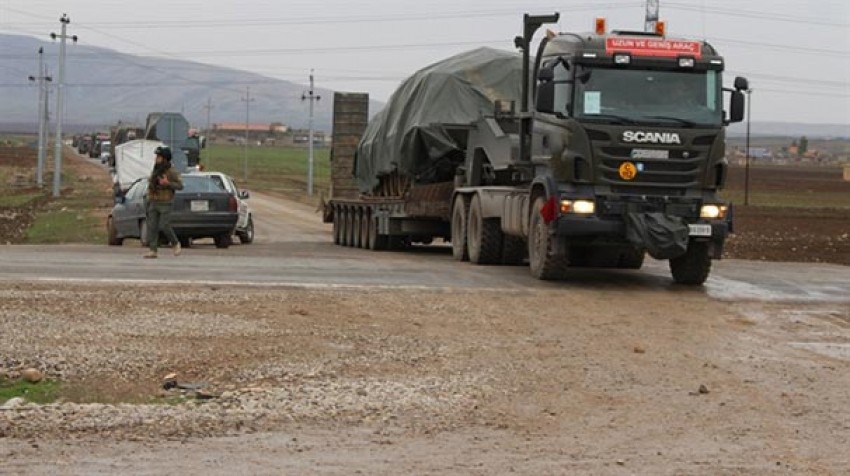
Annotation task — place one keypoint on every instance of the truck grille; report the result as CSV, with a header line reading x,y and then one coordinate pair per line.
x,y
684,168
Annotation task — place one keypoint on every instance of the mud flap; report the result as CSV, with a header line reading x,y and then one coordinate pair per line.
x,y
663,236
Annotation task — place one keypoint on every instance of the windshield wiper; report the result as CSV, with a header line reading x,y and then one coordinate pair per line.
x,y
611,117
677,119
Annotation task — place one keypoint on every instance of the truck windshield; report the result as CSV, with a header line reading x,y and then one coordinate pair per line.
x,y
648,96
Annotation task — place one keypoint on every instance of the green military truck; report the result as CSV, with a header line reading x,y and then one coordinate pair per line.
x,y
602,147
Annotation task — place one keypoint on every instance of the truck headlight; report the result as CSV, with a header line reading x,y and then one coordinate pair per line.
x,y
712,211
583,207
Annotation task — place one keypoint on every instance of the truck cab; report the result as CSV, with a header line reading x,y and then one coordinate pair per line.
x,y
627,151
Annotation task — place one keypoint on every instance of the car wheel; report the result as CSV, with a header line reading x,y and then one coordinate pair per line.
x,y
112,233
247,236
222,241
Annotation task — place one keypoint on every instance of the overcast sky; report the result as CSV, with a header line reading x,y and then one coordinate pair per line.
x,y
796,54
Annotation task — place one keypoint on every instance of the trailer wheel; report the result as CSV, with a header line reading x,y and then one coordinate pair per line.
x,y
692,268
483,235
346,226
365,228
542,260
356,225
377,241
337,225
460,210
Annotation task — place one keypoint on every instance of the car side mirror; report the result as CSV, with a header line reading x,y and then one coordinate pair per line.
x,y
243,194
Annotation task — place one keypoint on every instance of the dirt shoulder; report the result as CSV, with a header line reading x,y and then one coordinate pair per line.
x,y
485,382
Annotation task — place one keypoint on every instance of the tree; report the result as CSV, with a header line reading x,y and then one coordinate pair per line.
x,y
804,145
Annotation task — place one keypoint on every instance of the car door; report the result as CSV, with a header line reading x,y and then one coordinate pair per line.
x,y
242,207
128,214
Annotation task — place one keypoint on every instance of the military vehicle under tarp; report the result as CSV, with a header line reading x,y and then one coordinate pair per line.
x,y
412,134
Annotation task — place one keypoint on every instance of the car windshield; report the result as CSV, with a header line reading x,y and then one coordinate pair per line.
x,y
648,96
201,184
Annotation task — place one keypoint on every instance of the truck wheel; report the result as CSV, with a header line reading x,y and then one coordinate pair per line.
x,y
222,241
365,228
483,235
346,227
692,268
542,260
337,225
377,241
112,233
460,210
514,250
632,258
356,225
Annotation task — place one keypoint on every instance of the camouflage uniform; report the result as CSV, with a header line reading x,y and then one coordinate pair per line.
x,y
159,207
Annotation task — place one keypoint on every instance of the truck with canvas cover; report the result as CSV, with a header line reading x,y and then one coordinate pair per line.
x,y
608,146
134,159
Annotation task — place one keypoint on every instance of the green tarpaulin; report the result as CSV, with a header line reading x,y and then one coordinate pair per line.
x,y
409,134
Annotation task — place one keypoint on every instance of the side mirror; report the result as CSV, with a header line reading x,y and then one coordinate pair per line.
x,y
546,97
741,84
736,113
546,74
243,194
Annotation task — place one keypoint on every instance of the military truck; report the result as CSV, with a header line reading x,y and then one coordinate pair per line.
x,y
601,148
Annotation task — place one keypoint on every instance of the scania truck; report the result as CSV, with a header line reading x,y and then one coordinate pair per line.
x,y
604,146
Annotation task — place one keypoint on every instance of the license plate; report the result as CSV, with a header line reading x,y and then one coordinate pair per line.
x,y
200,206
699,230
650,154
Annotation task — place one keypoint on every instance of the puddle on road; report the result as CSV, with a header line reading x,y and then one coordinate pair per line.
x,y
774,290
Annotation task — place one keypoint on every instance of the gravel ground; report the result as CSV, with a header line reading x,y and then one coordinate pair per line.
x,y
656,381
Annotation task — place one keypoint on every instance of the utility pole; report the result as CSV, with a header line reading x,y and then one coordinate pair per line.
x,y
312,98
747,163
57,160
42,115
248,100
209,108
651,16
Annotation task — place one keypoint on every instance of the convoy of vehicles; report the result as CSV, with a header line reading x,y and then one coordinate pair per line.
x,y
611,148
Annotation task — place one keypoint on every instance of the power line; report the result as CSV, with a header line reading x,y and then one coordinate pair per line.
x,y
736,12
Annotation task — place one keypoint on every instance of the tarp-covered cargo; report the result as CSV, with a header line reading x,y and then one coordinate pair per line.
x,y
410,135
134,160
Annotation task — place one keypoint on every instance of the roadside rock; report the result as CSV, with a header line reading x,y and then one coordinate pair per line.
x,y
32,375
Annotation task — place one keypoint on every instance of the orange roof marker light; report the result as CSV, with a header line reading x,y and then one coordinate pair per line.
x,y
661,27
600,25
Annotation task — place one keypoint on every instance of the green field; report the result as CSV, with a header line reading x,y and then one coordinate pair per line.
x,y
281,169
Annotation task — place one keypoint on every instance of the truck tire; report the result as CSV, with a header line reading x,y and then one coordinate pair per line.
x,y
692,268
365,228
542,260
337,226
460,211
346,227
377,241
514,250
632,258
483,235
112,233
356,224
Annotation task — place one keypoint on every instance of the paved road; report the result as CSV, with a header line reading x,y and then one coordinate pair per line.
x,y
294,248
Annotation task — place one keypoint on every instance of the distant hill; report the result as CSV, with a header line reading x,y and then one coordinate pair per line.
x,y
104,86
788,129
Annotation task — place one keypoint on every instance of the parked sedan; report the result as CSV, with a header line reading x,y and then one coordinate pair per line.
x,y
245,224
203,209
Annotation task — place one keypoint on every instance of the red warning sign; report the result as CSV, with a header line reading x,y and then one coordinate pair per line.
x,y
653,47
